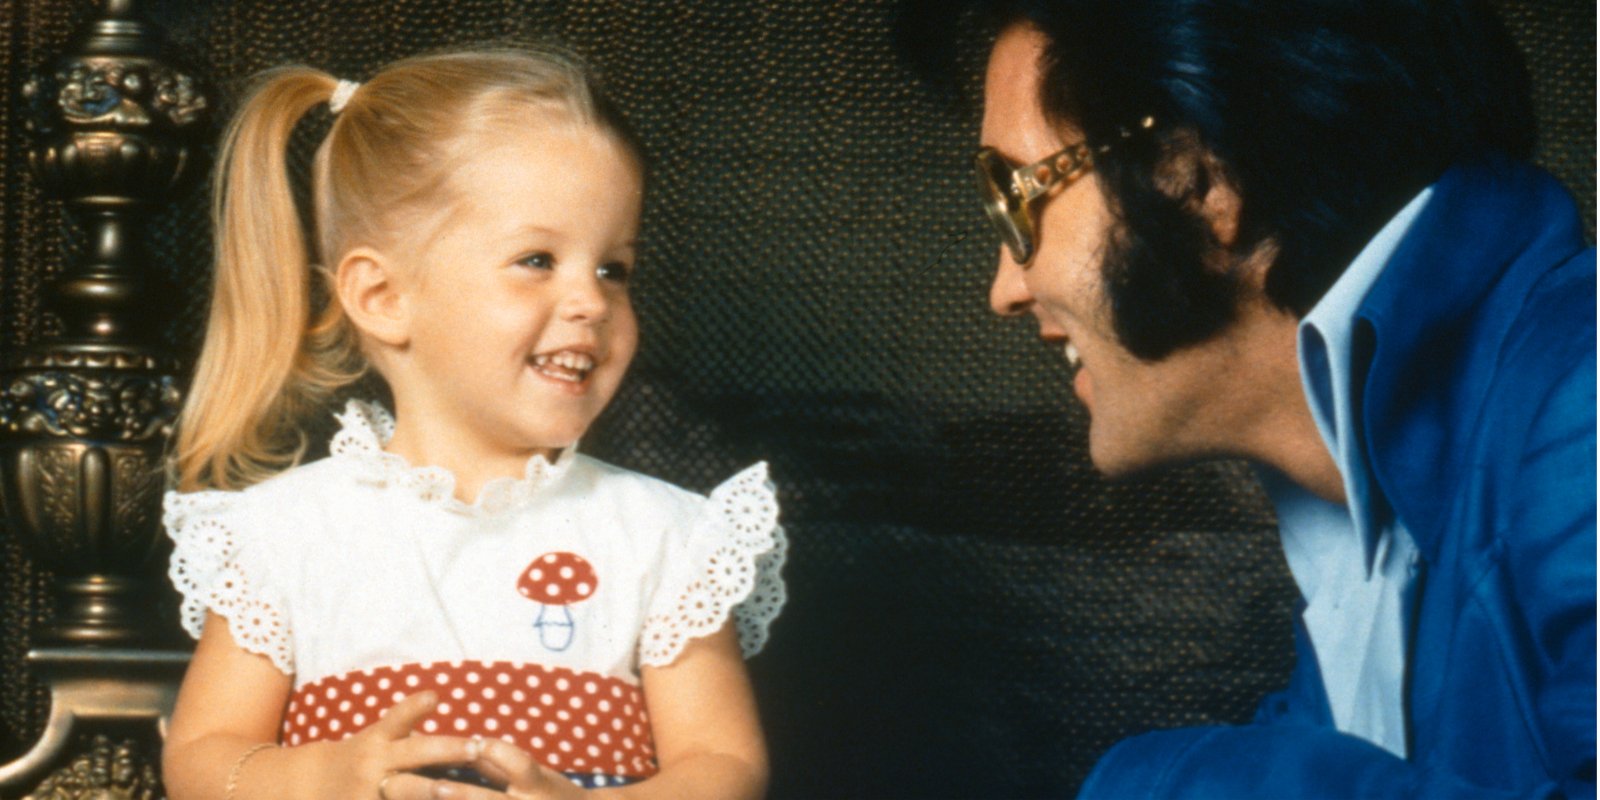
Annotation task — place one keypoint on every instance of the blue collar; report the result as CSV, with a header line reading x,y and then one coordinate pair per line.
x,y
1450,293
1331,366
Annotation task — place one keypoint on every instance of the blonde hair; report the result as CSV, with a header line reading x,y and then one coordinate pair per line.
x,y
278,345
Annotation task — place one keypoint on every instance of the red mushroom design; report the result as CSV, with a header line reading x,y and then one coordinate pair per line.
x,y
555,581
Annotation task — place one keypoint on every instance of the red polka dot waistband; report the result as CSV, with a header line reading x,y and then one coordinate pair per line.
x,y
571,721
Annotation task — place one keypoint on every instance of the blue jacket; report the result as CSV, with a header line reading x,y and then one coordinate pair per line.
x,y
1478,415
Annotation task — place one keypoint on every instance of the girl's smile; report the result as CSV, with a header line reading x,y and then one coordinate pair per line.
x,y
399,615
568,366
518,326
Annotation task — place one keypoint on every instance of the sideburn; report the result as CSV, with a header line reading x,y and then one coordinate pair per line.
x,y
1170,282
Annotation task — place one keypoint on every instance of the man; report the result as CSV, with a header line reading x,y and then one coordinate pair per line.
x,y
1299,233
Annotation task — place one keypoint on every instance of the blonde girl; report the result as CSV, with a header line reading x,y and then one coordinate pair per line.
x,y
455,603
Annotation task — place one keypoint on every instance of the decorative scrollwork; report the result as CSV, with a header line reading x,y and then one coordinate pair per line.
x,y
100,93
177,96
108,771
138,479
122,93
120,407
58,487
71,358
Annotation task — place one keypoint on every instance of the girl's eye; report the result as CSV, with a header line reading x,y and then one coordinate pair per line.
x,y
614,271
538,260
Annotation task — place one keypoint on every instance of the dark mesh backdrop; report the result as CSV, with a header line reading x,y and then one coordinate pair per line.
x,y
973,612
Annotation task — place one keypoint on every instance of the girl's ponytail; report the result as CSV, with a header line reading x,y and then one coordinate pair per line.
x,y
278,345
262,366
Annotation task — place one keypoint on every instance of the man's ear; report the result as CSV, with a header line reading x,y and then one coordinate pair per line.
x,y
1221,205
1220,208
373,294
1194,174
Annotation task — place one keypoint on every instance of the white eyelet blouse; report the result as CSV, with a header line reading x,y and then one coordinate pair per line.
x,y
530,611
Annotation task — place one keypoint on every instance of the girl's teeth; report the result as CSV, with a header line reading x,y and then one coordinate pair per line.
x,y
565,358
1071,351
565,365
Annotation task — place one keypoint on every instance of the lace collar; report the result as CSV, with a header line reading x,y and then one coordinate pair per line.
x,y
364,429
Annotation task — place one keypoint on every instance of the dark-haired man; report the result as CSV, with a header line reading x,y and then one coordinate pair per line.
x,y
1299,233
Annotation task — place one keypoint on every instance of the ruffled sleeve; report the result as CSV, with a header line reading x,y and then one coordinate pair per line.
x,y
216,569
726,562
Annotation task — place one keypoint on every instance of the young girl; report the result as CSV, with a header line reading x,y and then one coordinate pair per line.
x,y
454,588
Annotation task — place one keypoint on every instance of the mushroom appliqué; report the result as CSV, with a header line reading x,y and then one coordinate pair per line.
x,y
556,581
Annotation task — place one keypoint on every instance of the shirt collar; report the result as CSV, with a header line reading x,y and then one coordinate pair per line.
x,y
366,427
1331,369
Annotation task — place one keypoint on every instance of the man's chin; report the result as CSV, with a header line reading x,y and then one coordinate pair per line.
x,y
1125,462
1115,460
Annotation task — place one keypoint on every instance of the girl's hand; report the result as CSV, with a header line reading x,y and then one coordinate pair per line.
x,y
231,703
523,777
383,753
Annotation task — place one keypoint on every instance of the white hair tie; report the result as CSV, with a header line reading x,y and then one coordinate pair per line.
x,y
341,95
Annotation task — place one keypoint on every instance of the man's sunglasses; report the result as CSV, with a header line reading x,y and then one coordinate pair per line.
x,y
1007,192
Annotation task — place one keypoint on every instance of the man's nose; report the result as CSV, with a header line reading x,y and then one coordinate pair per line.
x,y
1008,295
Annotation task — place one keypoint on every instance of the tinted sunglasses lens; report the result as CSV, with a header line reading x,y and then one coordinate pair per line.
x,y
1003,209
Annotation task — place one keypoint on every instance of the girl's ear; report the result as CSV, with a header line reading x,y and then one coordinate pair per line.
x,y
370,289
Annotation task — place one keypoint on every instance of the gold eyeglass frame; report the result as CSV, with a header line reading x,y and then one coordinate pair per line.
x,y
1008,190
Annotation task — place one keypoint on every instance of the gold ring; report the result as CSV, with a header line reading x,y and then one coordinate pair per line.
x,y
382,794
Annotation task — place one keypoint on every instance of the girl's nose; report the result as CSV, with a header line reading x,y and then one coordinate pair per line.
x,y
1008,295
585,300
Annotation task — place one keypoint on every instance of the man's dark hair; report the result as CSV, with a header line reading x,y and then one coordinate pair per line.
x,y
1325,116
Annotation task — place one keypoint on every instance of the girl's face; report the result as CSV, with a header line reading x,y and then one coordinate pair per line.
x,y
520,324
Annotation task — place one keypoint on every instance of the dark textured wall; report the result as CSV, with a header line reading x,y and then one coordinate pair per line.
x,y
973,611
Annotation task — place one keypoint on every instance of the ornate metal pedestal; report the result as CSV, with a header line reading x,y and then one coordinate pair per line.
x,y
104,705
85,416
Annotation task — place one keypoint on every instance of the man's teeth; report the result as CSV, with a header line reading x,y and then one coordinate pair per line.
x,y
1071,351
565,365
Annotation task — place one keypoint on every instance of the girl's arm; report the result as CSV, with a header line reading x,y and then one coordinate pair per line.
x,y
708,739
232,701
703,716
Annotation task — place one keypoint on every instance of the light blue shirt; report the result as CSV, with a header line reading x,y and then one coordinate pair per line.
x,y
1355,564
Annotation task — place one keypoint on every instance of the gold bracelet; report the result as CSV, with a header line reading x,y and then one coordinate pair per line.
x,y
238,767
